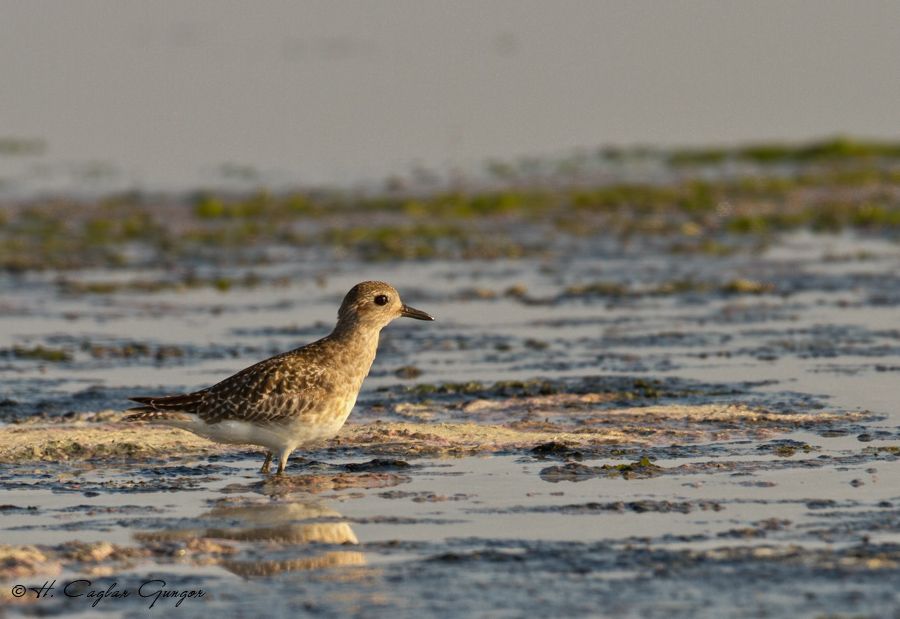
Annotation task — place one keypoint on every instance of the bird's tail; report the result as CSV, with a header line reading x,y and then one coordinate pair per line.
x,y
164,409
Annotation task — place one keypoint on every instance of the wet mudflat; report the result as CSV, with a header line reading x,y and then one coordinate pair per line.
x,y
607,429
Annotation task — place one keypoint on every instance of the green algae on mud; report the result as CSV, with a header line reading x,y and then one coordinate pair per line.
x,y
37,353
574,471
703,207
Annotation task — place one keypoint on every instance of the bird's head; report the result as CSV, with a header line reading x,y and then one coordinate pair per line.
x,y
374,305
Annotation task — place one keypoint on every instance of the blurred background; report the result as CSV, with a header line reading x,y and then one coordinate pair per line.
x,y
110,95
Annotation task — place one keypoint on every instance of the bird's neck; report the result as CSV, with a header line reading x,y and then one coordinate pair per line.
x,y
358,339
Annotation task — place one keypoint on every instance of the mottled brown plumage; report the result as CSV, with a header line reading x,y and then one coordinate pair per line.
x,y
296,398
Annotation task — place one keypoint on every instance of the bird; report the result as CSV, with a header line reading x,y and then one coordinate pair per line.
x,y
295,399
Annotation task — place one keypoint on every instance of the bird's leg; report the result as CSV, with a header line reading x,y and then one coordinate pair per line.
x,y
282,461
265,466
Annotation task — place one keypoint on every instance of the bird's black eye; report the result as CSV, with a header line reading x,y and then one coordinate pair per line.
x,y
381,299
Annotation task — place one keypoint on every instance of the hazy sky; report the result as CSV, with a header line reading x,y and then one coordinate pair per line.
x,y
337,91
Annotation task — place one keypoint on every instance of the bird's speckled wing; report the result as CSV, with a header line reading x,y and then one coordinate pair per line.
x,y
283,387
270,391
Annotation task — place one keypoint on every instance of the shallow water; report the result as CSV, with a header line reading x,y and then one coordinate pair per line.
x,y
461,535
787,519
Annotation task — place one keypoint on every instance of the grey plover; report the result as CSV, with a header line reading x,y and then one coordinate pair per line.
x,y
295,399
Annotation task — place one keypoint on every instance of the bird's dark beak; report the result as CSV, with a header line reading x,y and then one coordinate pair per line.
x,y
411,312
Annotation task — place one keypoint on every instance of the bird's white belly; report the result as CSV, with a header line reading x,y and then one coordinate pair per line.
x,y
274,436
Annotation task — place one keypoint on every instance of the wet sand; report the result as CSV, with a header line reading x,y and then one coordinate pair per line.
x,y
106,438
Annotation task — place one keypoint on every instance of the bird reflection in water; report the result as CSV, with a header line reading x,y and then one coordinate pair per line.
x,y
270,536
